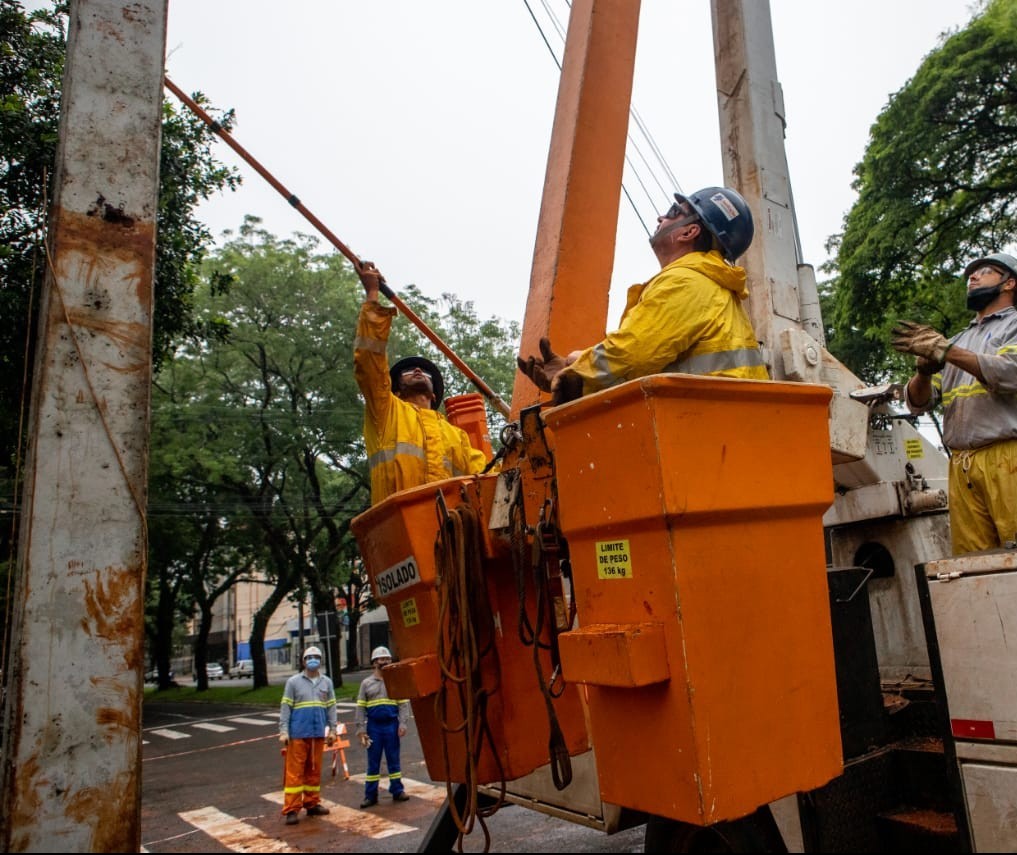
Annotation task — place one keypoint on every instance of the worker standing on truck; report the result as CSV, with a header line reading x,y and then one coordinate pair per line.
x,y
974,376
688,318
409,442
381,723
307,720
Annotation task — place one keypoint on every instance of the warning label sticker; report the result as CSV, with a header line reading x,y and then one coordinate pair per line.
x,y
913,448
411,617
613,559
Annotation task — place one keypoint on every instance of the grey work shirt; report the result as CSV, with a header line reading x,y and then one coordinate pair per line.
x,y
976,415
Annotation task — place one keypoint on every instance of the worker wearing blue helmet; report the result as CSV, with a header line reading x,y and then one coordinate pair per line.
x,y
688,318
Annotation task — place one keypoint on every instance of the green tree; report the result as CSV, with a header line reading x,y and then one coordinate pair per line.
x,y
936,187
270,417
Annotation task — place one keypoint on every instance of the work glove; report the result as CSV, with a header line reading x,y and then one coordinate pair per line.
x,y
365,740
284,738
567,386
928,367
920,340
330,737
542,371
370,278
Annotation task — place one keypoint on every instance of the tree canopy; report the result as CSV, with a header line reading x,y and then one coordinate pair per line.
x,y
32,50
936,188
260,429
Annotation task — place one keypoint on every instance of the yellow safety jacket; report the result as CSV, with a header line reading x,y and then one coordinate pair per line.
x,y
406,446
688,319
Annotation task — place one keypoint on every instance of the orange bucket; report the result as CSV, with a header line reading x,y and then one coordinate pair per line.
x,y
397,542
469,413
693,510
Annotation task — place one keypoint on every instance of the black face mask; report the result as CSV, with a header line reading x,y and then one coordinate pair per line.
x,y
979,298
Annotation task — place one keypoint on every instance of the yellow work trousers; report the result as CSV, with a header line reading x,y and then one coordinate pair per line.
x,y
302,784
983,497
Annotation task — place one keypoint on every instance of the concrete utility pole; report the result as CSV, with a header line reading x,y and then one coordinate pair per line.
x,y
72,738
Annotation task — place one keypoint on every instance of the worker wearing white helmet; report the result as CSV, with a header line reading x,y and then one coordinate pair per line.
x,y
380,722
974,376
307,719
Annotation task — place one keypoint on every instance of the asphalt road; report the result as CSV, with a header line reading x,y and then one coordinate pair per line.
x,y
212,782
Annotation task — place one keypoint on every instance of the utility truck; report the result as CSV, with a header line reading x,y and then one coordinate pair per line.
x,y
723,608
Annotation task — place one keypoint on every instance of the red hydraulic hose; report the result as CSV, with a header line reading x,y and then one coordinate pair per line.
x,y
482,387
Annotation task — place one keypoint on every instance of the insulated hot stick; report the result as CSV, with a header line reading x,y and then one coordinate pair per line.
x,y
482,387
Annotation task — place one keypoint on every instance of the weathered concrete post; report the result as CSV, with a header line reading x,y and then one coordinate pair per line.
x,y
72,740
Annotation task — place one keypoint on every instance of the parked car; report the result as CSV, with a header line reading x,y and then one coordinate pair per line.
x,y
214,671
243,668
153,676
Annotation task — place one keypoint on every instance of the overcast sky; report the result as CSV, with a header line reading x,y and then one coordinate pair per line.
x,y
418,131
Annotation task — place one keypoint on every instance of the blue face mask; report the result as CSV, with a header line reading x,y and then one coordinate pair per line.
x,y
312,664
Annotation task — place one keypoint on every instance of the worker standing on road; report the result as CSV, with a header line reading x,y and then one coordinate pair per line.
x,y
307,719
381,723
974,376
409,442
688,318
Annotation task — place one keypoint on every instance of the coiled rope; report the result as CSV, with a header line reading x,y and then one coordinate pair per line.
x,y
466,637
533,563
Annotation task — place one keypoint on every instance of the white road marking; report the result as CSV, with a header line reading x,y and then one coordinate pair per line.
x,y
429,792
170,734
261,721
360,822
234,834
215,728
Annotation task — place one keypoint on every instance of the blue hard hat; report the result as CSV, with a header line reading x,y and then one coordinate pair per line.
x,y
726,216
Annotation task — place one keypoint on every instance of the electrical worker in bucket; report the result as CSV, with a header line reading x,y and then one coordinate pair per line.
x,y
688,318
307,720
409,442
974,376
381,723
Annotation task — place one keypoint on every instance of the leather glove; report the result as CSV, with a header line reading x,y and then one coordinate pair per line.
x,y
542,371
370,278
365,740
330,737
928,367
284,738
566,387
920,340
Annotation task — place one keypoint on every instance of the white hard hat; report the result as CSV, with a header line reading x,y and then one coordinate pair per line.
x,y
312,651
381,653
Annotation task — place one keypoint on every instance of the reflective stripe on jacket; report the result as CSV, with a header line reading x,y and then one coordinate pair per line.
x,y
688,318
374,706
406,446
308,706
977,414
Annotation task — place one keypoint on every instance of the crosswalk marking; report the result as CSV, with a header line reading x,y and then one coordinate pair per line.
x,y
346,705
355,821
241,720
234,834
215,728
421,790
171,734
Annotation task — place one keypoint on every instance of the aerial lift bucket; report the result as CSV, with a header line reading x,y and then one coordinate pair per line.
x,y
397,539
693,510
